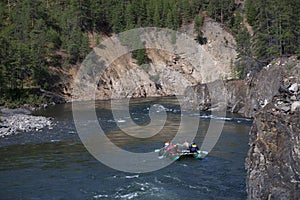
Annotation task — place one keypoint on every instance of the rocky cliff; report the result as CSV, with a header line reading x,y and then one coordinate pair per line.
x,y
273,161
248,96
272,97
199,97
168,73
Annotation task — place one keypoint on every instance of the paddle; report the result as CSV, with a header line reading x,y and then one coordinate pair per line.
x,y
158,150
204,152
162,156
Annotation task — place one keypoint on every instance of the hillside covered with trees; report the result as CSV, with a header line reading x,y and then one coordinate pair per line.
x,y
37,35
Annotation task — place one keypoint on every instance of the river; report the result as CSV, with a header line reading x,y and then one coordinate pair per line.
x,y
54,164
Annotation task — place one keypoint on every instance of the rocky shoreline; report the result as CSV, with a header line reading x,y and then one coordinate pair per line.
x,y
13,121
17,120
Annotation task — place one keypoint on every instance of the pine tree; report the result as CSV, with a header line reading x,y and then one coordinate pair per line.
x,y
117,18
187,13
4,49
142,57
150,13
156,18
212,8
251,11
176,16
169,21
32,32
199,20
129,17
289,27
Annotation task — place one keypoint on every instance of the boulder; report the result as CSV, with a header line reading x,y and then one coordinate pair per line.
x,y
262,88
294,87
285,108
271,97
295,106
293,98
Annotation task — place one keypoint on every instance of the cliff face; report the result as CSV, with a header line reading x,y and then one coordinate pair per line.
x,y
248,96
124,78
168,73
199,97
264,86
221,44
273,161
272,97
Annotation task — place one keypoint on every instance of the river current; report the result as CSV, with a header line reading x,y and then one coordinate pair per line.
x,y
54,164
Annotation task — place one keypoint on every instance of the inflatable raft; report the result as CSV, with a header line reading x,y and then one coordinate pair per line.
x,y
177,154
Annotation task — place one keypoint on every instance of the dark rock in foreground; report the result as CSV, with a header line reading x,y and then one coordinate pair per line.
x,y
273,161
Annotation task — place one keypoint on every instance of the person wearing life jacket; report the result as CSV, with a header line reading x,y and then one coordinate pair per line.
x,y
170,147
194,147
184,147
166,145
186,144
164,149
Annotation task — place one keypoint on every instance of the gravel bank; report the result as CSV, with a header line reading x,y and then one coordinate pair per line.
x,y
13,121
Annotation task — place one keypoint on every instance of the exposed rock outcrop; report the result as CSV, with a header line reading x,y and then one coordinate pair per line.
x,y
221,44
249,96
273,161
266,84
200,97
168,72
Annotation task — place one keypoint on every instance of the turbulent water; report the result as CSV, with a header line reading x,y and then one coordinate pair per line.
x,y
54,164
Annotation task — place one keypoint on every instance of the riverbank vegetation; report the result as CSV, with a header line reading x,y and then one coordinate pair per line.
x,y
39,36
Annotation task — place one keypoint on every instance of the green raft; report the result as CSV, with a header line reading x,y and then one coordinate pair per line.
x,y
176,154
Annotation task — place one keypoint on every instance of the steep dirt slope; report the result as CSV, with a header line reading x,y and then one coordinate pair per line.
x,y
169,73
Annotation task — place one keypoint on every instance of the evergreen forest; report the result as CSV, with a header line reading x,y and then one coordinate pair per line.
x,y
39,35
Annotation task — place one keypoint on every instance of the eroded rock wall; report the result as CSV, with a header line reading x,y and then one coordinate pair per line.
x,y
248,96
168,73
273,162
199,97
